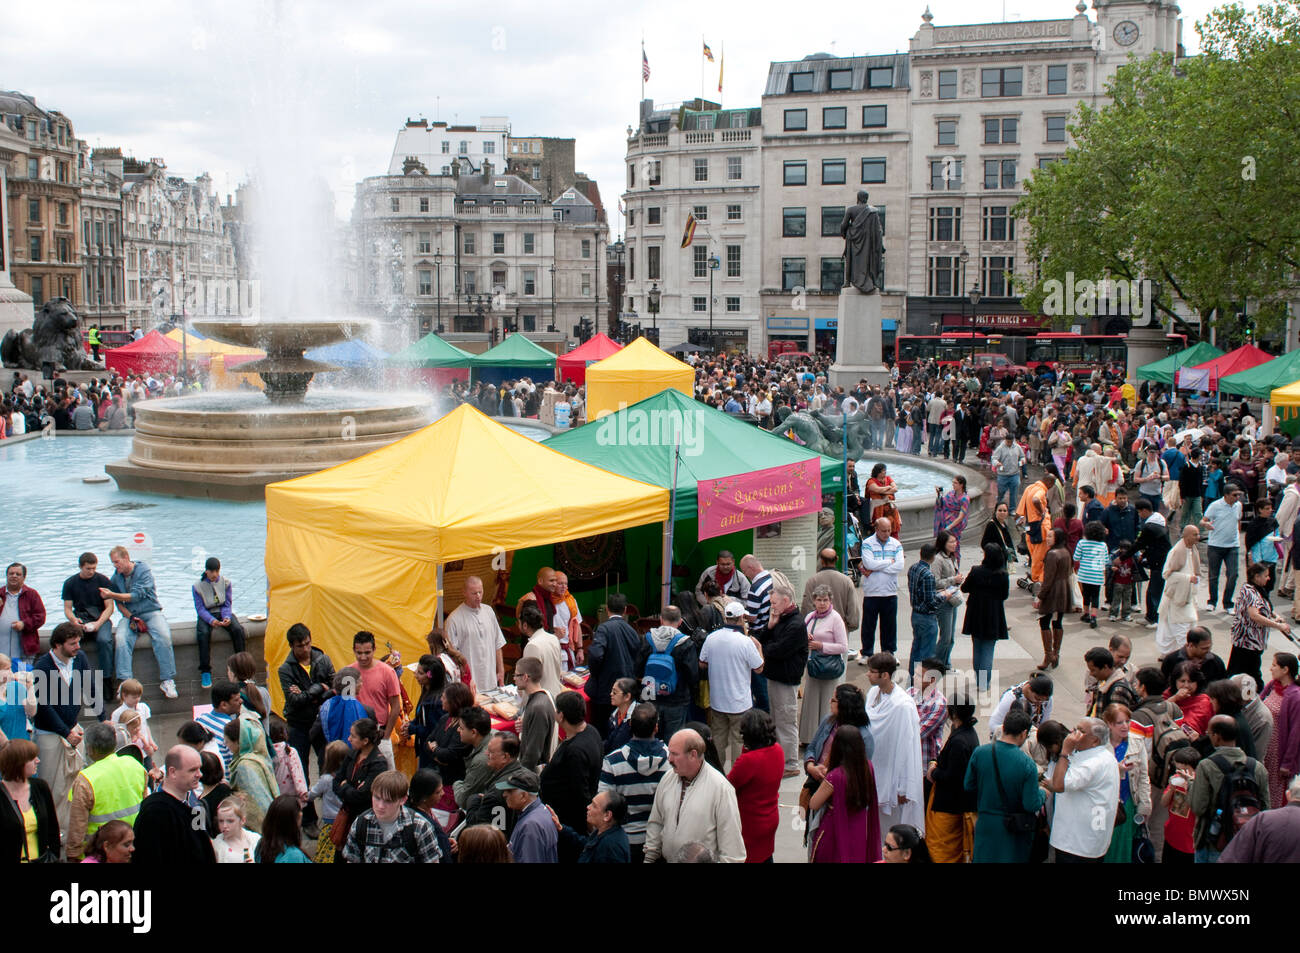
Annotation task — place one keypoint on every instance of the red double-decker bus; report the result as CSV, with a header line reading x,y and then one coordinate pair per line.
x,y
1078,354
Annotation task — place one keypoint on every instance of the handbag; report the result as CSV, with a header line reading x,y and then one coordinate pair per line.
x,y
1016,821
824,666
1144,852
341,827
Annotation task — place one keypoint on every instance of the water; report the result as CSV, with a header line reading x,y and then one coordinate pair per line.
x,y
51,517
316,399
913,479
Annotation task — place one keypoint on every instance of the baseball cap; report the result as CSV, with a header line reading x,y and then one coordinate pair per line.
x,y
522,780
734,610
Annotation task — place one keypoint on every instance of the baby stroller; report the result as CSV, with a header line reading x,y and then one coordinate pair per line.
x,y
854,533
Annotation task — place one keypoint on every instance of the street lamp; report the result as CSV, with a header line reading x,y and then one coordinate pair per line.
x,y
714,264
553,316
652,302
964,257
619,248
437,267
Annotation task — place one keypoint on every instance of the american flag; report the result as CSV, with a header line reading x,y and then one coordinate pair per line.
x,y
645,66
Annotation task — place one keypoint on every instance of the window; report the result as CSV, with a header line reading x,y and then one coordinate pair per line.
x,y
733,261
947,132
701,213
498,243
464,147
34,249
792,273
631,175
1056,128
489,147
33,171
530,322
796,119
530,243
947,84
998,224
1045,161
34,211
999,173
1003,81
997,272
470,282
469,243
398,284
422,244
631,217
426,283
734,168
1056,80
880,77
586,284
700,261
999,131
801,82
733,304
65,249
833,171
536,172
835,117
63,171
944,275
873,170
795,173
530,281
832,216
945,172
832,274
701,170
874,116
794,222
733,213
945,223
652,269
394,204
446,147
586,248
654,216
656,170
38,291
840,79
498,279
631,264
699,303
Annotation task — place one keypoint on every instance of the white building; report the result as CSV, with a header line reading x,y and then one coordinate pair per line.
x,y
695,159
436,145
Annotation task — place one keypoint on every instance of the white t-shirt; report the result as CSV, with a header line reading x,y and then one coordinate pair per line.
x,y
227,854
731,657
476,634
1276,475
1084,813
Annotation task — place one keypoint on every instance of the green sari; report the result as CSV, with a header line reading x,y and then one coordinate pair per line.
x,y
251,773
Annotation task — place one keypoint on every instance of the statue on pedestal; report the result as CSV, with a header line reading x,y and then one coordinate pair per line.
x,y
52,343
864,247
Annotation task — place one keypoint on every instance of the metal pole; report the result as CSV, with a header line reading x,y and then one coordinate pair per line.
x,y
666,574
844,534
440,600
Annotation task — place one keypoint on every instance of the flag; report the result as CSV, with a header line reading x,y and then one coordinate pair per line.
x,y
721,63
645,66
708,53
621,210
688,235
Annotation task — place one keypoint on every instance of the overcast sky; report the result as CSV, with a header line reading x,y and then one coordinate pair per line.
x,y
193,84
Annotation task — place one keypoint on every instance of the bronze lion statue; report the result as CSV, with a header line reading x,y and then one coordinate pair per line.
x,y
53,341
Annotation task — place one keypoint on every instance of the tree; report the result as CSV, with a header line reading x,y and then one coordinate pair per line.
x,y
1185,177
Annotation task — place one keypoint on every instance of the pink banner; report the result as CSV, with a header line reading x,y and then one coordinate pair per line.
x,y
730,504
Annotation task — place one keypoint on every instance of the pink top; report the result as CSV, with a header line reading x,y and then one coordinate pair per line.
x,y
829,631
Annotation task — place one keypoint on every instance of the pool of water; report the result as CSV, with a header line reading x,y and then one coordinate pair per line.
x,y
51,517
912,479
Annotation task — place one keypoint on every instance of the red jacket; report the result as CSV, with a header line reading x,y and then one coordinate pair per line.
x,y
31,612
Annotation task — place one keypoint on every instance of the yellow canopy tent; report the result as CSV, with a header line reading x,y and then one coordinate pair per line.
x,y
638,371
1286,399
206,347
358,546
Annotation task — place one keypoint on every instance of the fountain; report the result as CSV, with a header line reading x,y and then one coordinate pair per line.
x,y
230,445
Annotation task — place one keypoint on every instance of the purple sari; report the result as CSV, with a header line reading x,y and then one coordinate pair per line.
x,y
952,506
845,836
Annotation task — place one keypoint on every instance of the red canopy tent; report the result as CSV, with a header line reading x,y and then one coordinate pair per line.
x,y
573,366
1206,376
153,353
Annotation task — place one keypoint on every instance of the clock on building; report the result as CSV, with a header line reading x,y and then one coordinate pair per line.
x,y
1126,33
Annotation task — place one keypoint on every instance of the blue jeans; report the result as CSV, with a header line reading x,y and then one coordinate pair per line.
x,y
672,719
878,434
1207,855
1223,557
925,633
982,662
947,617
936,439
160,637
1011,486
916,439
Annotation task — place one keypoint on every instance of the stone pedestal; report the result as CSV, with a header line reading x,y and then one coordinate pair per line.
x,y
1145,345
858,341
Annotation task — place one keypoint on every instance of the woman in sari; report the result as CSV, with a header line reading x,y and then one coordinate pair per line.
x,y
952,511
251,773
903,436
849,830
882,487
1134,785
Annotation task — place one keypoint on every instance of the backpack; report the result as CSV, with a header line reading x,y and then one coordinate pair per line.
x,y
1167,736
1239,799
662,667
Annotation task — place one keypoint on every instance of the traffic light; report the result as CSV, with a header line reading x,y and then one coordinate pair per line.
x,y
496,335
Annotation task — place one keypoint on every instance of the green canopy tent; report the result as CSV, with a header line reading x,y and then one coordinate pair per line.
x,y
637,442
516,356
1260,381
1163,370
430,351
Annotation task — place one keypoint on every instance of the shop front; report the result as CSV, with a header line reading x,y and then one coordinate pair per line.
x,y
788,334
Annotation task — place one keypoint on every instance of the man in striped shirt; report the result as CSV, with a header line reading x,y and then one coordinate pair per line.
x,y
225,706
932,708
635,771
758,612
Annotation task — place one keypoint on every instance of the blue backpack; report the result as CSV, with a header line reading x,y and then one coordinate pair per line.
x,y
661,667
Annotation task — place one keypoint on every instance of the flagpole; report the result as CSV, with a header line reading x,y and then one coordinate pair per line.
x,y
701,66
638,106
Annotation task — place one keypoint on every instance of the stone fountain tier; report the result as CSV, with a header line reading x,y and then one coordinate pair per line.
x,y
284,370
229,446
